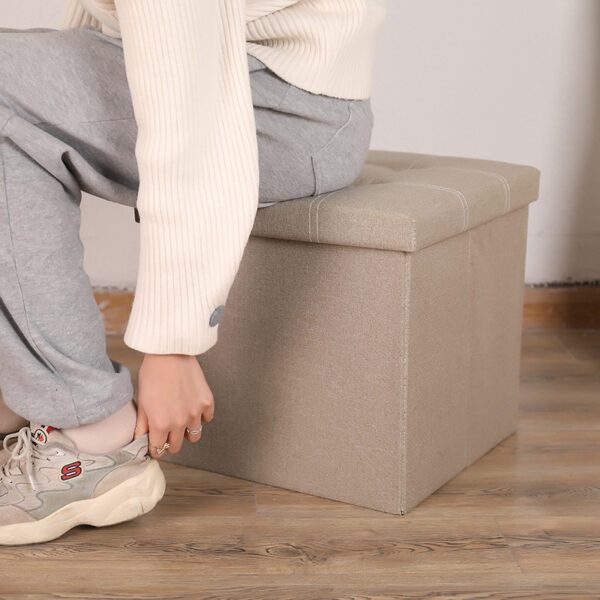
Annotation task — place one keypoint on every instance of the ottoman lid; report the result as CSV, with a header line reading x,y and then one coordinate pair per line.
x,y
404,201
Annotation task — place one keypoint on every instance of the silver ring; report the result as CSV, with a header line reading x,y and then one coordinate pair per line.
x,y
164,447
194,431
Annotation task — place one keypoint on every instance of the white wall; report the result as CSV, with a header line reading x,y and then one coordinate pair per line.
x,y
511,80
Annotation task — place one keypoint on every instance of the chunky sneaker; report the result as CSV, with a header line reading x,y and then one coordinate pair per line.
x,y
48,486
4,454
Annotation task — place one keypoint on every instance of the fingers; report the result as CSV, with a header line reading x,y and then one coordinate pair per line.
x,y
141,424
156,436
157,439
161,434
193,432
175,440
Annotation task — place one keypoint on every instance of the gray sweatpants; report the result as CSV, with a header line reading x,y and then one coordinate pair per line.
x,y
67,125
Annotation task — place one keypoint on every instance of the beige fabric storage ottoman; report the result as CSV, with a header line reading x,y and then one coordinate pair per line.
x,y
370,345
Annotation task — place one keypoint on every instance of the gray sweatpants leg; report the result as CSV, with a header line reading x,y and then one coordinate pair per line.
x,y
60,132
67,125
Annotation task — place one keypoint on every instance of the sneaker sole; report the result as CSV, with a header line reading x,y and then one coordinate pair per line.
x,y
128,500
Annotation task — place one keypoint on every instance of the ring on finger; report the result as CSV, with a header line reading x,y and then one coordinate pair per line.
x,y
193,431
164,447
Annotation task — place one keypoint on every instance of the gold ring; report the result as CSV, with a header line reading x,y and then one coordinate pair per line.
x,y
164,447
194,431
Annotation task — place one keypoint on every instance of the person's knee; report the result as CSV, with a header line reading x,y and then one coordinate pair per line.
x,y
43,72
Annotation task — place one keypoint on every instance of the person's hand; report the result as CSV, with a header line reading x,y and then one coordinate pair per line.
x,y
172,395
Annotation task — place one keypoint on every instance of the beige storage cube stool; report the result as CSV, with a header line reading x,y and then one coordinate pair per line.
x,y
369,350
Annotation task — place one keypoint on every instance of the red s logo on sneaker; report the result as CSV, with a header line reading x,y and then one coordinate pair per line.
x,y
41,435
71,470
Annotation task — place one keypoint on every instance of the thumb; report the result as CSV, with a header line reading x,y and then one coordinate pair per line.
x,y
141,425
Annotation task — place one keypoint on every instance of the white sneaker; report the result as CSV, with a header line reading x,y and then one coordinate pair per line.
x,y
48,486
4,454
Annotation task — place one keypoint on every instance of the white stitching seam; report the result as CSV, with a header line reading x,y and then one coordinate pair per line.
x,y
501,178
318,176
404,375
320,199
457,193
309,215
316,164
317,213
469,341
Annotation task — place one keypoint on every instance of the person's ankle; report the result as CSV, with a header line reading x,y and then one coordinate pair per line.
x,y
114,432
9,421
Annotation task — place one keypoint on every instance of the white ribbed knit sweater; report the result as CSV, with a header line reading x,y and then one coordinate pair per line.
x,y
196,149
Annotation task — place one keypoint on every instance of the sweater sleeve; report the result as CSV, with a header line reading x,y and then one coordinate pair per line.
x,y
197,156
74,15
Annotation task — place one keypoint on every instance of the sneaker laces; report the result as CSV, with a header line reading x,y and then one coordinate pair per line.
x,y
24,450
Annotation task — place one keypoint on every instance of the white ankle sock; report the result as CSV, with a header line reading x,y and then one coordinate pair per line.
x,y
109,434
9,421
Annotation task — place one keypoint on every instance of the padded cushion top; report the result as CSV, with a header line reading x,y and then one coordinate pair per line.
x,y
403,201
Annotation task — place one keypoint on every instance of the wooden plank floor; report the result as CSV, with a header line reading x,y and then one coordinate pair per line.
x,y
522,522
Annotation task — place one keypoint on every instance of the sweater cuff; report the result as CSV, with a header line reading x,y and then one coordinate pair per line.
x,y
172,311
